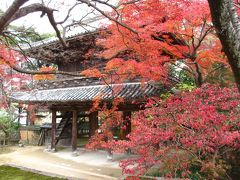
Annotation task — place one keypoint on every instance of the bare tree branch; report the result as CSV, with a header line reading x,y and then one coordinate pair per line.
x,y
68,14
45,10
20,70
15,12
127,3
74,23
107,16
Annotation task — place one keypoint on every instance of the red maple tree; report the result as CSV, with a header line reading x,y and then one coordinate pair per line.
x,y
190,134
10,79
165,33
187,135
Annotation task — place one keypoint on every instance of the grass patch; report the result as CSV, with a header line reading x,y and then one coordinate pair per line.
x,y
13,173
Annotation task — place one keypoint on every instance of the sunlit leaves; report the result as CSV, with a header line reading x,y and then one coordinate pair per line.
x,y
91,73
38,77
167,33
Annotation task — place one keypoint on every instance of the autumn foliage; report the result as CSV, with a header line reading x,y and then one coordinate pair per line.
x,y
38,77
189,135
8,59
192,135
166,34
110,118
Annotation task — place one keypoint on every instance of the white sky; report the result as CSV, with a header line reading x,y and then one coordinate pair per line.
x,y
42,25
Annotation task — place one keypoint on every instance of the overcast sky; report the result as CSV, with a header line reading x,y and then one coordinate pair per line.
x,y
42,25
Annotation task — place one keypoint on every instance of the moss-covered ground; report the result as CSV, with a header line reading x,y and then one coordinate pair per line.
x,y
13,173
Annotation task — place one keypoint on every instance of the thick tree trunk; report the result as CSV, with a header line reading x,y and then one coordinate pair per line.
x,y
4,19
225,20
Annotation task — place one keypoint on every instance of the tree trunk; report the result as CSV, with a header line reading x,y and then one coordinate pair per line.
x,y
4,19
227,25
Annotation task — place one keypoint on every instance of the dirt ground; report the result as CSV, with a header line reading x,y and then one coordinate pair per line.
x,y
92,165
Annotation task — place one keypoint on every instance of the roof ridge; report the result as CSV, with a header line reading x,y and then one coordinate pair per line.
x,y
90,86
129,91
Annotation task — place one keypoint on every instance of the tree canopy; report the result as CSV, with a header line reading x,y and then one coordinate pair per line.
x,y
158,33
194,134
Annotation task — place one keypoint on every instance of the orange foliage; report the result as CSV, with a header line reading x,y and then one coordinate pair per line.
x,y
45,76
91,73
7,59
167,33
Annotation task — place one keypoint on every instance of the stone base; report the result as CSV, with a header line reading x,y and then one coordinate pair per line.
x,y
75,153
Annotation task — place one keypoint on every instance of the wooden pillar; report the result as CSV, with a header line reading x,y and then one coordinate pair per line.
x,y
53,132
74,131
127,116
127,123
93,122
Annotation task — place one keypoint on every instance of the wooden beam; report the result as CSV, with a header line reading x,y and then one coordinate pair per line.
x,y
74,131
86,106
81,115
53,132
93,122
130,107
63,107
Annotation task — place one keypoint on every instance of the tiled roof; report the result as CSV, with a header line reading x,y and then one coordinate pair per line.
x,y
128,91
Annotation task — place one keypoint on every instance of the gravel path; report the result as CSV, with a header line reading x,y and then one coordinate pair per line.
x,y
92,165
